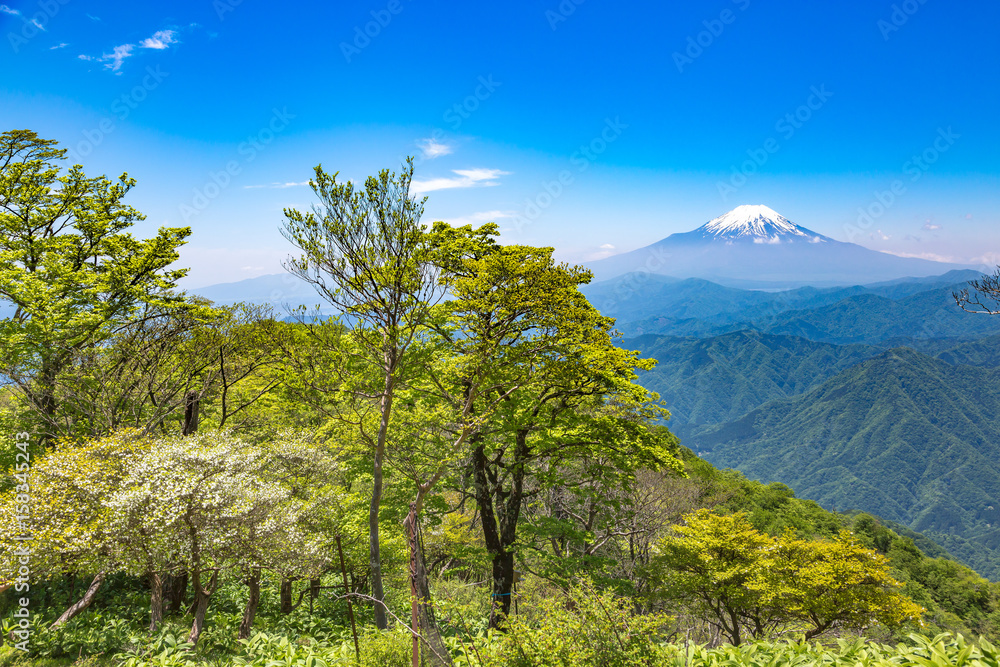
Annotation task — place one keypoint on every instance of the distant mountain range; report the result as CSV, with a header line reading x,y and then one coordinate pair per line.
x,y
917,312
278,290
718,379
753,245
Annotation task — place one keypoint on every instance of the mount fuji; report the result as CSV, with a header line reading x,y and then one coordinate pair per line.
x,y
754,245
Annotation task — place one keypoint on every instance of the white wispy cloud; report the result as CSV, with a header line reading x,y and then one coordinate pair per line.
x,y
113,61
932,256
880,235
480,217
987,261
433,149
93,18
467,178
603,250
14,12
276,186
58,46
161,39
929,227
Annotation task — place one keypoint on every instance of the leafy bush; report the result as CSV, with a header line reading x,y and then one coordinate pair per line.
x,y
581,628
92,634
387,649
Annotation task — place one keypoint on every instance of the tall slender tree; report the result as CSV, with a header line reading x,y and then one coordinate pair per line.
x,y
365,252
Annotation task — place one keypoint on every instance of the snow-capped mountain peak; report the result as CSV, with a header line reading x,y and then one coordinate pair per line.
x,y
752,220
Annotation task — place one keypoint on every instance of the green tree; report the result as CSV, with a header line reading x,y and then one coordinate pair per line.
x,y
537,381
823,584
365,253
73,529
68,265
749,584
709,563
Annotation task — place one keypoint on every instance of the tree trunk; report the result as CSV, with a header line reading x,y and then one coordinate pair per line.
x,y
46,400
286,595
83,603
350,605
314,588
411,531
503,584
500,525
190,413
176,592
253,583
201,598
422,610
381,620
155,602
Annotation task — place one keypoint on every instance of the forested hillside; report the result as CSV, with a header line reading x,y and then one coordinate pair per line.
x,y
713,380
909,434
903,435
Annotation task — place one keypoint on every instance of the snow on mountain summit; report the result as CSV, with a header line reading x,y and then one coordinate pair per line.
x,y
756,221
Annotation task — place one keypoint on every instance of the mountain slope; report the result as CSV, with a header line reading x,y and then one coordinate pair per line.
x,y
755,243
708,381
903,435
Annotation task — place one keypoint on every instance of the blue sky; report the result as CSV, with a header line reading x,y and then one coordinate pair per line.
x,y
589,126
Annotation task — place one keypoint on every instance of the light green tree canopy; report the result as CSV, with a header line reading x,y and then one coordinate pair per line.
x,y
68,265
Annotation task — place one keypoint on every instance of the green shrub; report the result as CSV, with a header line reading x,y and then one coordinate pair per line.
x,y
87,634
387,649
582,628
